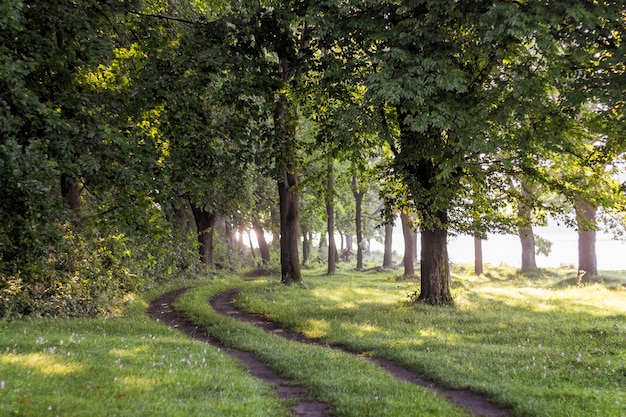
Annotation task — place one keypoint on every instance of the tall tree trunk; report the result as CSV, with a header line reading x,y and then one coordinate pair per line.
x,y
264,249
526,234
435,268
251,247
330,217
71,191
289,261
349,244
478,254
387,255
205,222
409,269
358,200
586,219
306,246
285,119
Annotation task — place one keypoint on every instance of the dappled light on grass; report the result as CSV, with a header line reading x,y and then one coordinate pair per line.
x,y
43,363
532,343
583,299
351,297
129,353
316,328
127,366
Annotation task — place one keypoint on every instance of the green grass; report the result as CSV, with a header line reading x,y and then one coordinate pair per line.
x,y
124,366
353,386
533,344
542,345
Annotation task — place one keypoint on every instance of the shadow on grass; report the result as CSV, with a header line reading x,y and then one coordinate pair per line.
x,y
535,345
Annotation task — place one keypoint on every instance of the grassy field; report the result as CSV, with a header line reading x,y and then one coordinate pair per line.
x,y
123,366
541,345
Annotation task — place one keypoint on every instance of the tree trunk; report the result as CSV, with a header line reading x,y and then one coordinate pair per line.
x,y
251,247
330,216
71,191
205,221
358,199
478,255
285,119
409,269
435,268
305,246
526,234
586,219
349,244
387,256
289,262
264,249
527,240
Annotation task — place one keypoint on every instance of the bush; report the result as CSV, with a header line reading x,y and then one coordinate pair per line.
x,y
93,268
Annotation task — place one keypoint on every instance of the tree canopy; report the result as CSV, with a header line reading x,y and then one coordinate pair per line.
x,y
117,118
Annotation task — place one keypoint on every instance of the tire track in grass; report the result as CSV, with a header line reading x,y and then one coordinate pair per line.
x,y
476,403
161,310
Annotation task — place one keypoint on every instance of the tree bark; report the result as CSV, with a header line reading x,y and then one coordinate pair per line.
x,y
251,247
358,200
205,222
478,255
586,219
71,191
435,268
264,249
330,217
409,249
285,120
289,262
305,246
526,234
387,255
347,252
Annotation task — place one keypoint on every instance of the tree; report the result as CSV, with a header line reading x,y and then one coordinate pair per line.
x,y
468,67
526,234
50,126
586,220
330,215
358,220
409,269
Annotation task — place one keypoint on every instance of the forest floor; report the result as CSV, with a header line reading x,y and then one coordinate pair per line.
x,y
222,303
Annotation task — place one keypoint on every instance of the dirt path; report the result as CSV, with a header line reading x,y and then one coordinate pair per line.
x,y
161,310
476,403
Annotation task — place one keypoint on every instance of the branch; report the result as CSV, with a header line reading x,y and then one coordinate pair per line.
x,y
163,17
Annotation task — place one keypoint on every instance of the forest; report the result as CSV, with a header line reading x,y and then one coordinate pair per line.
x,y
143,141
198,201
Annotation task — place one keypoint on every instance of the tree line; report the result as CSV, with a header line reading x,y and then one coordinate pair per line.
x,y
132,131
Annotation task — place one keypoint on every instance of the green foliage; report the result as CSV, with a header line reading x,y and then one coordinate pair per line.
x,y
94,267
